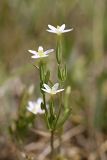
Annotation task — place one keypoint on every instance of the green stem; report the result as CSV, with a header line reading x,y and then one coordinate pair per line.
x,y
38,70
51,107
44,101
60,141
59,45
59,111
42,75
52,145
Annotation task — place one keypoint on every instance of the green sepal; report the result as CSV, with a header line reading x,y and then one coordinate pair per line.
x,y
47,76
59,73
64,73
59,52
51,120
42,72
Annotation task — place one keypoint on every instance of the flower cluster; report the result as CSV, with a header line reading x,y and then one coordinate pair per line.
x,y
35,107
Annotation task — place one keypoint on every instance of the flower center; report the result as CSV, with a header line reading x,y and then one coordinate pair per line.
x,y
58,27
53,92
58,30
41,53
34,110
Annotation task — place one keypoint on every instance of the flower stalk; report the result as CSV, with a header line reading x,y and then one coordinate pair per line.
x,y
52,145
61,72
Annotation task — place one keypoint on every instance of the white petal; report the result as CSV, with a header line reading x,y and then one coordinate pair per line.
x,y
33,52
55,87
49,51
62,27
39,100
67,30
35,107
35,56
29,108
31,104
53,92
60,90
45,90
51,31
47,87
52,27
40,111
33,110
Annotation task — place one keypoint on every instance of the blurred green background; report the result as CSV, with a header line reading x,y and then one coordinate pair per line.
x,y
23,25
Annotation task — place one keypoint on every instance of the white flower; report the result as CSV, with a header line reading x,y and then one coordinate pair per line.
x,y
58,30
40,53
52,90
35,107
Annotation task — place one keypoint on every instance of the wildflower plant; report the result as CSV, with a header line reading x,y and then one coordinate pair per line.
x,y
54,116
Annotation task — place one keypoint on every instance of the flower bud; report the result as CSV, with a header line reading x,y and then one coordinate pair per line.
x,y
62,73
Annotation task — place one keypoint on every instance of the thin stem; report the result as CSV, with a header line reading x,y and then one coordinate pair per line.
x,y
42,74
60,133
52,129
60,142
44,101
59,111
38,70
52,145
46,111
52,107
59,44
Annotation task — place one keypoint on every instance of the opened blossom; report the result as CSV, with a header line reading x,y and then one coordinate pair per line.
x,y
58,30
52,90
35,106
40,53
